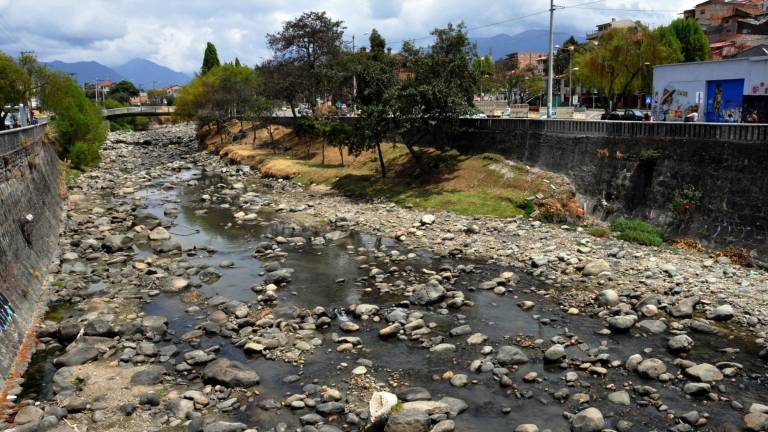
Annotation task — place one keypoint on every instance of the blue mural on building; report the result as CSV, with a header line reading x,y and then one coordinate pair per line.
x,y
6,313
724,100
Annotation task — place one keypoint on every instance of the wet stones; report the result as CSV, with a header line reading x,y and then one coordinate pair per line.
x,y
390,330
28,414
554,353
704,372
230,373
176,285
411,420
279,276
608,298
428,293
622,323
116,242
684,307
721,313
159,233
588,420
148,376
508,355
680,343
620,398
76,356
410,394
651,368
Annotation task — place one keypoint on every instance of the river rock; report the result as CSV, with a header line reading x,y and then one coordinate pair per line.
x,y
528,427
756,422
684,307
622,323
608,298
508,355
28,414
408,420
651,368
619,398
116,242
721,313
595,267
150,375
380,405
230,373
588,420
159,233
428,293
77,356
680,343
704,372
409,394
554,353
222,426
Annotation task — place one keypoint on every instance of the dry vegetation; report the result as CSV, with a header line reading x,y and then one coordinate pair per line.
x,y
485,184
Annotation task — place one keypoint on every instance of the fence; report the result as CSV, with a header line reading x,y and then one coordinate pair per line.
x,y
140,110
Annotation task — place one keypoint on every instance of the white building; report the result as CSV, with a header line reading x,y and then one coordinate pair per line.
x,y
719,91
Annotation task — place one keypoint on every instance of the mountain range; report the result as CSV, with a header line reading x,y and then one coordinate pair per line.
x,y
530,40
143,73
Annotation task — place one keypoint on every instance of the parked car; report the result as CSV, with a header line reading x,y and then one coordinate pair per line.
x,y
628,115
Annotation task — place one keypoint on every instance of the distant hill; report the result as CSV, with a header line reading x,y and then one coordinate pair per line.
x,y
529,40
143,73
87,71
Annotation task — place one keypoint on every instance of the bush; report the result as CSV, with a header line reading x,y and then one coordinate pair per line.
x,y
600,232
637,231
83,156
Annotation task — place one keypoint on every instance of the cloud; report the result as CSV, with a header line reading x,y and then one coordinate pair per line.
x,y
174,32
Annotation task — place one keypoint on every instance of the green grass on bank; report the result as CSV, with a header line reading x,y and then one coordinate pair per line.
x,y
637,231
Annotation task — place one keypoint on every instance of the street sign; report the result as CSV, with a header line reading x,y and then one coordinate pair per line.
x,y
648,100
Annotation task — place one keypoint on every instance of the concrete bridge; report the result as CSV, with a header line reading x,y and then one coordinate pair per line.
x,y
139,111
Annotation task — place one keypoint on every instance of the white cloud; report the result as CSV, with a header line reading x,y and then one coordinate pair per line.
x,y
174,32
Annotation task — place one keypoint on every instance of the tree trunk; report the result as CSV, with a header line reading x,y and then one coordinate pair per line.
x,y
416,156
341,154
381,160
322,150
293,108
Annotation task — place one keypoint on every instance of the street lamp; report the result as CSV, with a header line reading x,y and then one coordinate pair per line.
x,y
578,87
570,75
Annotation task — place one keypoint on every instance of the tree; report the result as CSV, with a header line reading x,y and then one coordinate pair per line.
x,y
621,59
693,42
282,80
15,86
439,91
485,70
524,84
669,40
123,91
237,62
79,127
310,43
156,97
210,58
377,91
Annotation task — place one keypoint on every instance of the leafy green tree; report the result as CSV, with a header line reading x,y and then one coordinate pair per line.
x,y
377,91
210,58
15,85
621,61
485,70
79,128
693,42
524,84
668,38
237,62
439,91
309,44
123,91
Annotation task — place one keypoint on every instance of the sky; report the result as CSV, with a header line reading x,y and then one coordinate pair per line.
x,y
174,32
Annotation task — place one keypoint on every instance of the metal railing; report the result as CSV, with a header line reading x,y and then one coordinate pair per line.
x,y
139,110
18,145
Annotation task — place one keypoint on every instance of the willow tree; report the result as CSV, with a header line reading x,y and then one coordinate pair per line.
x,y
622,60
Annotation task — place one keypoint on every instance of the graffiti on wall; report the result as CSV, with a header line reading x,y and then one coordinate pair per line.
x,y
677,100
724,100
6,313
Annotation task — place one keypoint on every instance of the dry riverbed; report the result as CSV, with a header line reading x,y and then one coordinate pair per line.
x,y
193,295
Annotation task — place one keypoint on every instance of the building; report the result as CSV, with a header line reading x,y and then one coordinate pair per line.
x,y
732,27
141,99
719,91
172,90
524,59
602,28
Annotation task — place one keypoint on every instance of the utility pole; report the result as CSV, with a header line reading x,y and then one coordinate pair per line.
x,y
570,76
551,58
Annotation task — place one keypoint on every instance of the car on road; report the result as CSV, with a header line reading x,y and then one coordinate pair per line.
x,y
628,115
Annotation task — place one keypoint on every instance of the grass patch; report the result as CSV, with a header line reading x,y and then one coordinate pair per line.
x,y
600,232
637,231
484,184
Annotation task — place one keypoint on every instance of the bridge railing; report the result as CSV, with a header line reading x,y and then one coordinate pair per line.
x,y
138,110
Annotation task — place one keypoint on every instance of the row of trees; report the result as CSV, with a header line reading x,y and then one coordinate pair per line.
x,y
416,95
79,129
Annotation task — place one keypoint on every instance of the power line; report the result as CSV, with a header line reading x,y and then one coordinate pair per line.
x,y
622,9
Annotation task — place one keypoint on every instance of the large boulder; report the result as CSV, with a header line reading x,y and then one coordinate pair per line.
x,y
408,420
595,267
77,356
230,373
588,420
116,242
510,355
428,293
380,405
704,372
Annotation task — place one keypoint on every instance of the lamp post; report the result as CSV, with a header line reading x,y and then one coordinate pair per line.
x,y
570,75
578,87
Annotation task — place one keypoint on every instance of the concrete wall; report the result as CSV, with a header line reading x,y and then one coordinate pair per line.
x,y
29,184
637,169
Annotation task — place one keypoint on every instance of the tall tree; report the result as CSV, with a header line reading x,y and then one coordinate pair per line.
x,y
377,85
668,38
210,58
15,85
439,90
693,42
123,91
485,70
310,43
619,62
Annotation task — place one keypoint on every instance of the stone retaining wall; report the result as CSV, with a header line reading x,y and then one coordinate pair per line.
x,y
29,185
